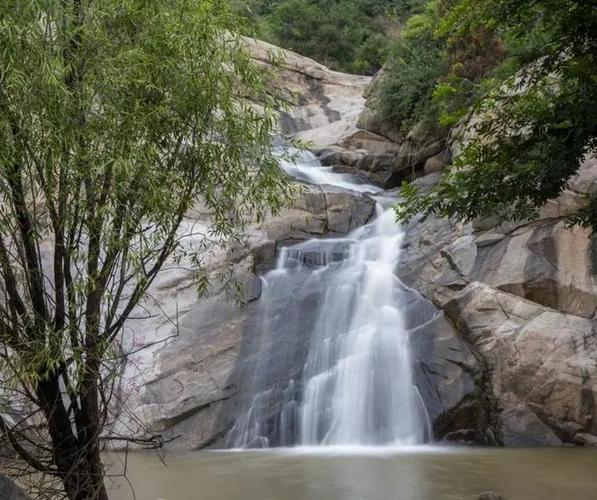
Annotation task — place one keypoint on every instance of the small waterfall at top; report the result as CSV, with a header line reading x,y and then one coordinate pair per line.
x,y
356,385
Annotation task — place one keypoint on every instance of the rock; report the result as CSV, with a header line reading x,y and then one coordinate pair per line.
x,y
586,439
319,211
489,238
371,143
546,262
10,491
426,182
370,120
197,377
374,168
328,102
450,380
412,156
522,298
437,162
510,358
540,362
520,426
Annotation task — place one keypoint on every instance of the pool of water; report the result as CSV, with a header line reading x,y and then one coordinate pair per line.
x,y
357,474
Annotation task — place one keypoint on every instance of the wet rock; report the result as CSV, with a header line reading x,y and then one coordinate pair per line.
x,y
198,375
449,379
319,211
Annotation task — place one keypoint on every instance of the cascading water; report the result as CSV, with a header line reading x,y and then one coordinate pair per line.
x,y
358,382
356,386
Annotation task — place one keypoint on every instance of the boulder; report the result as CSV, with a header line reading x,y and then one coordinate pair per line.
x,y
371,143
318,211
540,363
437,162
522,298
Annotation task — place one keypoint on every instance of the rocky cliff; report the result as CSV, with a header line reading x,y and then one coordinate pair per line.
x,y
510,359
523,298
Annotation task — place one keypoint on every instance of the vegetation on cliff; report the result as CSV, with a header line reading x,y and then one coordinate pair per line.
x,y
527,72
115,118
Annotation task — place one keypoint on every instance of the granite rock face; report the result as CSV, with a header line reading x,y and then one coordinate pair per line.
x,y
511,357
327,103
522,298
331,116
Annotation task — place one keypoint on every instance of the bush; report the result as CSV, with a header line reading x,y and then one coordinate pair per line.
x,y
415,65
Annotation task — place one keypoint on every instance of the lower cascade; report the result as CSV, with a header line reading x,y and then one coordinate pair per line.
x,y
356,386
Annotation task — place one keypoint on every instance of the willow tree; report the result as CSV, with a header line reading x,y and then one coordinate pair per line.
x,y
115,118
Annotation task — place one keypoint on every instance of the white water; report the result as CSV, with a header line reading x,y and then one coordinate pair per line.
x,y
356,387
304,165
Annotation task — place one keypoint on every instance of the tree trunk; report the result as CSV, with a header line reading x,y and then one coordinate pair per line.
x,y
77,459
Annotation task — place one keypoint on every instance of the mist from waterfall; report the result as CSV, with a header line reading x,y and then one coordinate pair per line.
x,y
356,386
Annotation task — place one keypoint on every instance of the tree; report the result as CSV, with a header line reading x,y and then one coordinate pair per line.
x,y
535,124
115,118
348,35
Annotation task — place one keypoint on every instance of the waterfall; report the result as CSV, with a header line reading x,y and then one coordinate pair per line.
x,y
358,381
356,385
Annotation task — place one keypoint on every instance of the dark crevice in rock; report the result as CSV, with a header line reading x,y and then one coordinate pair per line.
x,y
486,420
195,410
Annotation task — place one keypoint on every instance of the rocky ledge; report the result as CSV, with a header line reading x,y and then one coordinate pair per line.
x,y
190,384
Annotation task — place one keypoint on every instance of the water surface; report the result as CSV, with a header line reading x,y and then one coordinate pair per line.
x,y
360,474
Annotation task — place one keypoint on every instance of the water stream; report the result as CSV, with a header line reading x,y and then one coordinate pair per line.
x,y
356,385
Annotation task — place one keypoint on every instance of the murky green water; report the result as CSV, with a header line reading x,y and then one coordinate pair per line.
x,y
360,474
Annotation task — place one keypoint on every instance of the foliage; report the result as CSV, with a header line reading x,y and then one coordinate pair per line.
x,y
416,63
535,122
432,79
115,118
348,35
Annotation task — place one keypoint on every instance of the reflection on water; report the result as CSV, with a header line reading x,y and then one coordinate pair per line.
x,y
360,474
